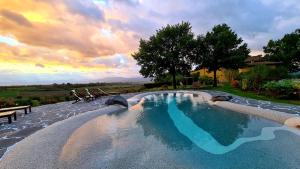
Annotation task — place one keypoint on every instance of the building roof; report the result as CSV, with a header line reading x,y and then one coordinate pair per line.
x,y
259,60
263,63
251,59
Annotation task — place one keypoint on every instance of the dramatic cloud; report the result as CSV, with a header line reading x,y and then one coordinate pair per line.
x,y
39,65
85,8
84,40
15,17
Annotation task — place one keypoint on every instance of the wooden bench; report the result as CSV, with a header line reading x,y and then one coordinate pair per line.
x,y
8,114
16,108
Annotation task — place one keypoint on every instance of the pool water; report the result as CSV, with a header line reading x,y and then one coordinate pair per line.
x,y
181,131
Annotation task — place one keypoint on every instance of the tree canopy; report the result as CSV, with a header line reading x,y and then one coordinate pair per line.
x,y
220,48
285,50
169,51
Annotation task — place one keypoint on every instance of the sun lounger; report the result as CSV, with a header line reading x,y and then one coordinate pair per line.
x,y
96,93
108,93
89,94
17,108
8,114
81,96
77,98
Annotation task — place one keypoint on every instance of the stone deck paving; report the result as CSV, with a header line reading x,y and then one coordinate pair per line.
x,y
287,108
41,117
46,115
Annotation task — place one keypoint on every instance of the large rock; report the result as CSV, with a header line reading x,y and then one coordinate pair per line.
x,y
221,98
117,100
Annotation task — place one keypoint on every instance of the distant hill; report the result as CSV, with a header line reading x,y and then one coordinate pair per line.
x,y
124,80
134,80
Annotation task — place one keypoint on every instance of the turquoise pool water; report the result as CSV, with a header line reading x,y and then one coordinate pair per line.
x,y
181,131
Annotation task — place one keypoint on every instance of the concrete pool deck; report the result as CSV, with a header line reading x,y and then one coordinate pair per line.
x,y
41,149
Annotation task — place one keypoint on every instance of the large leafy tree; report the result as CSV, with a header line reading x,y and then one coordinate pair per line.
x,y
220,48
167,52
285,50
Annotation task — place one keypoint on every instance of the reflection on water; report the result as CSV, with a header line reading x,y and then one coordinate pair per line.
x,y
155,120
224,125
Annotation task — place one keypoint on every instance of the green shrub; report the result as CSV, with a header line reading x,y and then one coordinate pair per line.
x,y
35,98
245,84
260,74
278,73
23,102
2,102
195,76
257,75
231,75
10,102
68,98
206,80
35,103
19,97
297,85
164,87
49,100
286,88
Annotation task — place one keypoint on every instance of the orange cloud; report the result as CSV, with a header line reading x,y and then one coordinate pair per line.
x,y
62,35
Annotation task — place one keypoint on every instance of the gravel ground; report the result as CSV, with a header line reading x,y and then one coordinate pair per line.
x,y
45,115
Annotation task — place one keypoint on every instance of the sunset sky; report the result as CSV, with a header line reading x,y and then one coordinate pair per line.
x,y
56,41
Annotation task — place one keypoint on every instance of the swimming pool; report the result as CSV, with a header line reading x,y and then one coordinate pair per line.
x,y
179,130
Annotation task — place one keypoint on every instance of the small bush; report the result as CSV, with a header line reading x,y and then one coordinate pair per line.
x,y
245,84
7,102
260,74
196,85
280,85
23,102
256,77
286,88
35,103
278,73
19,97
231,75
35,98
68,98
49,100
235,83
164,87
2,103
195,76
205,80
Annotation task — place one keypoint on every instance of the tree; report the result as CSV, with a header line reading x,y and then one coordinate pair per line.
x,y
285,50
167,52
220,48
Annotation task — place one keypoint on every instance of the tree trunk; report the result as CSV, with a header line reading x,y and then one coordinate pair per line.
x,y
174,80
215,72
215,78
174,77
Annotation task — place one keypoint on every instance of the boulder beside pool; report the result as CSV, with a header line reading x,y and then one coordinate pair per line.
x,y
221,98
117,100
